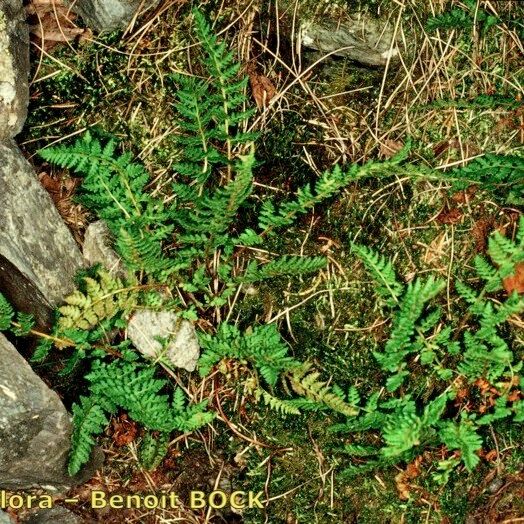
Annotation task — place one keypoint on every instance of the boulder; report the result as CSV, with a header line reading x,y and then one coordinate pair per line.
x,y
55,515
181,348
38,255
108,15
14,68
35,429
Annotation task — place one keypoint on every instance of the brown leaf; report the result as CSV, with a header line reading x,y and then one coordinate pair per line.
x,y
124,431
482,384
480,231
411,472
516,281
449,216
514,396
50,184
465,196
402,486
389,148
52,22
491,456
262,88
439,148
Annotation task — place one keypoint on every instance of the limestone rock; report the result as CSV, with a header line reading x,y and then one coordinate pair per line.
x,y
362,39
35,428
108,15
5,518
328,27
38,255
181,350
14,68
97,249
55,515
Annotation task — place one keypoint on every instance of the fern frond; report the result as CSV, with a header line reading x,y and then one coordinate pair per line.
x,y
6,313
411,307
276,404
283,266
382,272
89,420
263,347
495,172
465,438
152,450
102,299
307,384
133,387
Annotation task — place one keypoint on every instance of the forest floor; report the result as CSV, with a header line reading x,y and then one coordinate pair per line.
x,y
456,93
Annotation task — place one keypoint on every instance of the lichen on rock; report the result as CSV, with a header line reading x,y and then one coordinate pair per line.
x,y
14,68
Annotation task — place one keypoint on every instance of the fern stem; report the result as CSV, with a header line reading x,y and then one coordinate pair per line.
x,y
63,342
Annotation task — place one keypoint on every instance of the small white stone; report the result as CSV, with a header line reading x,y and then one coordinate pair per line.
x,y
181,349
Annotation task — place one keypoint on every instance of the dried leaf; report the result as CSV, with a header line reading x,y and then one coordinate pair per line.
x,y
449,216
516,281
52,22
124,431
389,148
411,472
462,197
480,231
262,88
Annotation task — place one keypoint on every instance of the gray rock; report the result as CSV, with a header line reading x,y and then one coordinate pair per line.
x,y
97,249
364,40
5,518
181,350
328,27
35,428
14,68
55,515
38,255
108,15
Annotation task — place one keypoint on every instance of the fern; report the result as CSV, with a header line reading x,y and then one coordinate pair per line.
x,y
284,266
382,272
457,18
307,384
263,347
331,182
102,299
464,437
493,172
276,404
133,387
89,420
152,450
229,114
114,188
6,313
411,307
473,350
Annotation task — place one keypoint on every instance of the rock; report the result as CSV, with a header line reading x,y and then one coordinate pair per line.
x,y
38,255
108,15
35,428
181,350
55,515
5,518
97,249
331,28
364,40
14,68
